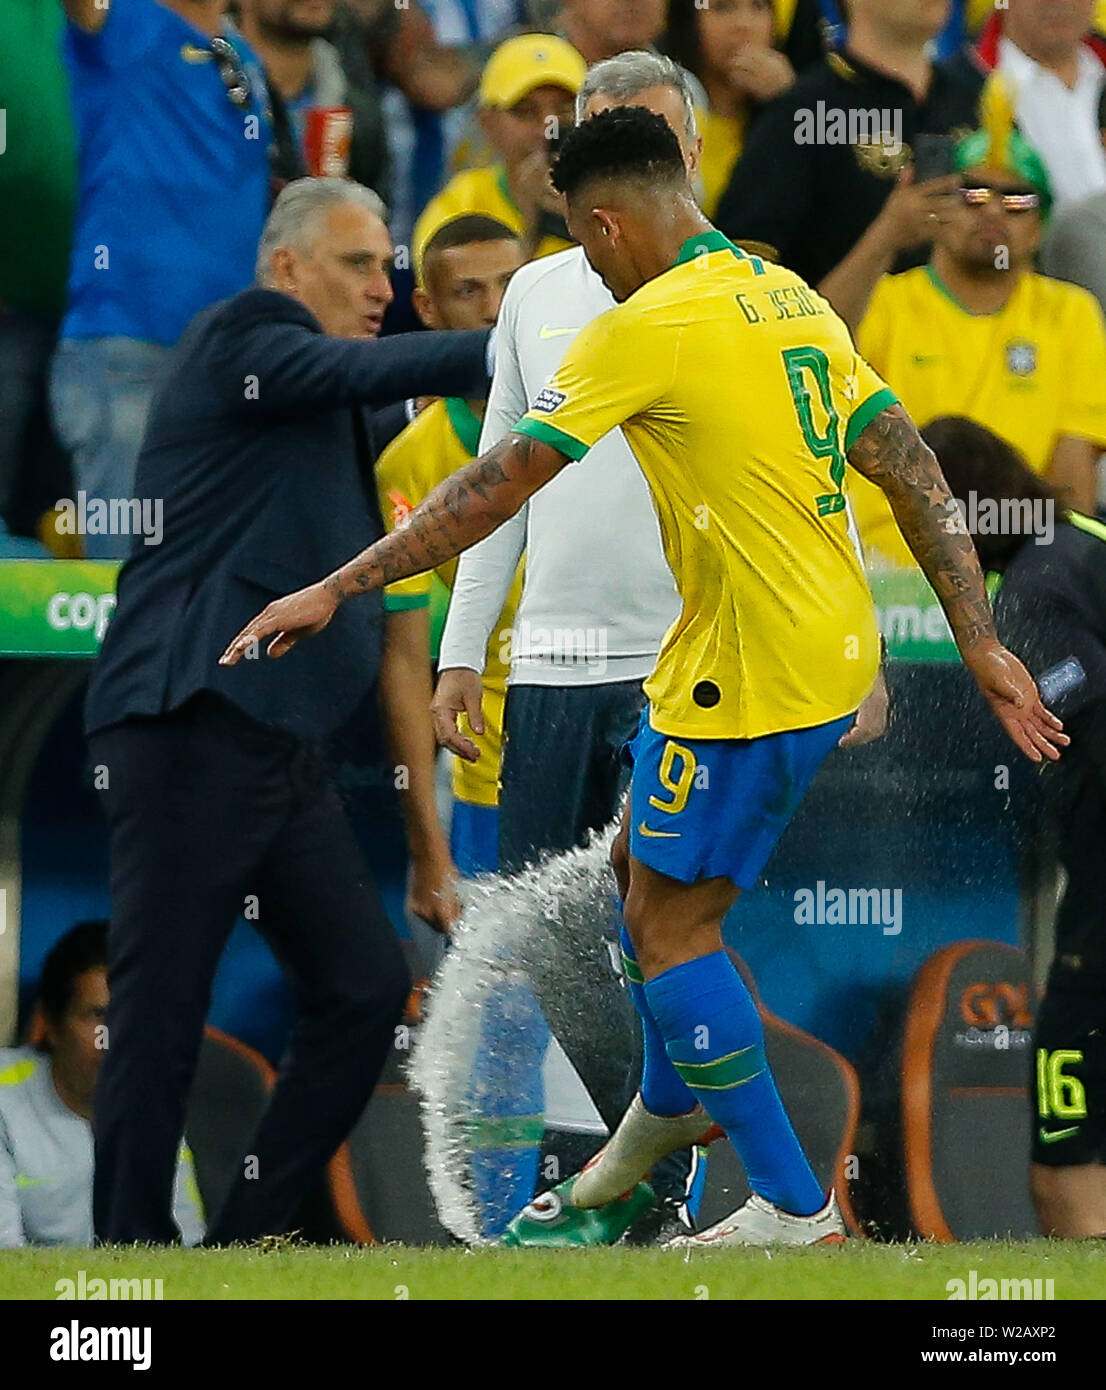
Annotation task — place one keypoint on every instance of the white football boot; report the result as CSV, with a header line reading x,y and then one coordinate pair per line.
x,y
640,1140
760,1223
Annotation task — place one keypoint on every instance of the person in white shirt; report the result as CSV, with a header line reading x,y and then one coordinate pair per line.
x,y
1056,80
46,1154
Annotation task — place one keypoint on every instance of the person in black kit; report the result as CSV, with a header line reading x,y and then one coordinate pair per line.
x,y
810,188
1051,605
215,782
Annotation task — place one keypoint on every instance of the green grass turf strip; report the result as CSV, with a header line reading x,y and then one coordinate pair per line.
x,y
860,1270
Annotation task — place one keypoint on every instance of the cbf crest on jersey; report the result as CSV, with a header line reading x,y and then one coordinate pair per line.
x,y
1021,357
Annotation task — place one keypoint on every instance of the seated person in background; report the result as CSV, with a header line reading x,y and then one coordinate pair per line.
x,y
1051,605
816,169
526,101
729,48
1075,247
1052,65
46,1106
978,333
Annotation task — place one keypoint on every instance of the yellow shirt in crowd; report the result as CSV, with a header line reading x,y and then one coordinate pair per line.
x,y
739,392
723,140
1034,371
443,438
476,190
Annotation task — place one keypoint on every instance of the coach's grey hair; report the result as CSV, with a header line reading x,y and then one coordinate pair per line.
x,y
298,211
629,74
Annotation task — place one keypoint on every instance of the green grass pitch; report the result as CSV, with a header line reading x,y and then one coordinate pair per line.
x,y
860,1270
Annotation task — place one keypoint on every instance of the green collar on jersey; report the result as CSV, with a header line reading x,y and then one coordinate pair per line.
x,y
703,243
465,424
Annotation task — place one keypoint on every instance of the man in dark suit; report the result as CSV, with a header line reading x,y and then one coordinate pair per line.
x,y
215,784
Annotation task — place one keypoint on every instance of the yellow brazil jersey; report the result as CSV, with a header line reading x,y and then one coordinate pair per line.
x,y
476,190
1034,371
739,392
723,138
443,438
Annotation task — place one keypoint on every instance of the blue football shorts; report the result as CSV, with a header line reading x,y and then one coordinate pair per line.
x,y
708,808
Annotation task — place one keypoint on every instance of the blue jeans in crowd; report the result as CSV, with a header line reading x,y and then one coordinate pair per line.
x,y
100,391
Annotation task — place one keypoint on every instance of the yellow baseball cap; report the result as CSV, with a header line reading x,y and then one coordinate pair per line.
x,y
528,61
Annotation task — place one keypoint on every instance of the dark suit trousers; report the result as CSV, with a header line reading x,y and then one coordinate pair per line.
x,y
206,807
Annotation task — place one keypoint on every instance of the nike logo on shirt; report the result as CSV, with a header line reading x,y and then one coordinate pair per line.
x,y
546,332
1051,1136
643,829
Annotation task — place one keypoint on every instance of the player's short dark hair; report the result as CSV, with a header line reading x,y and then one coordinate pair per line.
x,y
626,142
470,227
83,947
975,459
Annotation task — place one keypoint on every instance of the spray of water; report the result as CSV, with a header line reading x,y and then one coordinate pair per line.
x,y
509,927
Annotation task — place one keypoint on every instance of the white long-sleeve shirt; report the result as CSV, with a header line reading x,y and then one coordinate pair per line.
x,y
598,595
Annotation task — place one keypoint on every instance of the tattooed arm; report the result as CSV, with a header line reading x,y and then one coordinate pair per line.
x,y
462,510
891,454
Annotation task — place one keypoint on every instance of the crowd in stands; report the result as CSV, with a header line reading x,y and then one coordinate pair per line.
x,y
145,141
935,168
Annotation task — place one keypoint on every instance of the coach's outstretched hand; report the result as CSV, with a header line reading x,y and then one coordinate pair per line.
x,y
287,621
1013,696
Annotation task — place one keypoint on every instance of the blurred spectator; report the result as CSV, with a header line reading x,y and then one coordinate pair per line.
x,y
1075,247
428,54
978,333
1051,605
817,168
601,28
948,42
46,1106
729,48
526,99
804,28
173,138
446,142
38,180
1052,65
308,73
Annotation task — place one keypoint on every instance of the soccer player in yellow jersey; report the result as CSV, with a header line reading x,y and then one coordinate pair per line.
x,y
467,266
743,399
